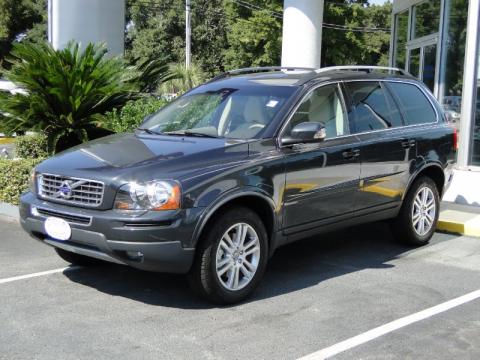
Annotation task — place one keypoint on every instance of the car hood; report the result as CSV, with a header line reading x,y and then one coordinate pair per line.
x,y
137,156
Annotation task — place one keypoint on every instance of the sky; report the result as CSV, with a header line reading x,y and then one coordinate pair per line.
x,y
377,2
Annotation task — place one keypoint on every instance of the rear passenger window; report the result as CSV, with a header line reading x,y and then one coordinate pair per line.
x,y
414,103
372,108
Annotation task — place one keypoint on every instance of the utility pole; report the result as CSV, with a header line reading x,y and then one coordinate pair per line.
x,y
188,34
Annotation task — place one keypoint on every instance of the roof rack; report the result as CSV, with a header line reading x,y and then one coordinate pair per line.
x,y
366,68
260,69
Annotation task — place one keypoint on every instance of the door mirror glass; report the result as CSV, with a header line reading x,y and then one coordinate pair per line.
x,y
305,132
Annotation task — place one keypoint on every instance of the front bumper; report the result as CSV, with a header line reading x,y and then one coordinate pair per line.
x,y
152,241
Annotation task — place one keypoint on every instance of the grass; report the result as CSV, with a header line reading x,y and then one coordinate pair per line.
x,y
4,141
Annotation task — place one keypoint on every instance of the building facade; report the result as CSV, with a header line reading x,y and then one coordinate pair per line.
x,y
432,39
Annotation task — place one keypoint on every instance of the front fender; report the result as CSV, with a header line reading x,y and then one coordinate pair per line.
x,y
227,197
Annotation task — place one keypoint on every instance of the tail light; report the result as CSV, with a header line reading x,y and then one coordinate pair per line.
x,y
455,139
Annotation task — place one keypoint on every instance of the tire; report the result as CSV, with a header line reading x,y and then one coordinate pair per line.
x,y
407,226
77,259
230,258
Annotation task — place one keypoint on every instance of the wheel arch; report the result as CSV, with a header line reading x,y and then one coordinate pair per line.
x,y
259,203
433,171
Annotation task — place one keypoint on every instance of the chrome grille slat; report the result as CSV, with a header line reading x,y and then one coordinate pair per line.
x,y
83,192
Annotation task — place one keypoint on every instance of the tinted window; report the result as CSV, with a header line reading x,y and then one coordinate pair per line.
x,y
372,107
414,103
322,105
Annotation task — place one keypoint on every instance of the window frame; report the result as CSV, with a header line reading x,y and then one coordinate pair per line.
x,y
341,93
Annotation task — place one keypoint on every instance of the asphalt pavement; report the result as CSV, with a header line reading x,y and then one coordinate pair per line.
x,y
316,293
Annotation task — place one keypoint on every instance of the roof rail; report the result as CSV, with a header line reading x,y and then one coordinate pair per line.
x,y
366,68
250,70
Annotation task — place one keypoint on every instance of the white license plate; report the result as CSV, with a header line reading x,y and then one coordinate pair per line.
x,y
57,228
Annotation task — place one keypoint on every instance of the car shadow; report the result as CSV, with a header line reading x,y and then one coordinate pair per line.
x,y
293,267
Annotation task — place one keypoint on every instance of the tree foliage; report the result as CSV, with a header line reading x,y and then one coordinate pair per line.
x,y
68,91
225,34
254,38
21,20
182,79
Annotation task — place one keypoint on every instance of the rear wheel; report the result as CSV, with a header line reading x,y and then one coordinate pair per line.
x,y
418,216
77,259
231,257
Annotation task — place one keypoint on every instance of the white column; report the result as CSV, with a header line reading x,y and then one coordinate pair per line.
x,y
469,92
88,21
302,33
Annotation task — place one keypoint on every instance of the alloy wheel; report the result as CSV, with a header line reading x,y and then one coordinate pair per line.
x,y
237,256
423,211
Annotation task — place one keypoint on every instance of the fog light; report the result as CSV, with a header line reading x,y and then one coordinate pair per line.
x,y
134,255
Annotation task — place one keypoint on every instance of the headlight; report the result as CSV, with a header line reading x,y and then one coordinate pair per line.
x,y
153,195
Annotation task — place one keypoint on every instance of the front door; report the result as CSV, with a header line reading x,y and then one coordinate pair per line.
x,y
322,178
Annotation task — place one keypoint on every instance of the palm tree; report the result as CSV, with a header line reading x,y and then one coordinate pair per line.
x,y
182,79
68,92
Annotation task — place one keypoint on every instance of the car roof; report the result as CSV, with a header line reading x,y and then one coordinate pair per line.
x,y
277,76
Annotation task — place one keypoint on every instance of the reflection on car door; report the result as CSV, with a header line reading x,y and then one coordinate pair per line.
x,y
386,152
321,178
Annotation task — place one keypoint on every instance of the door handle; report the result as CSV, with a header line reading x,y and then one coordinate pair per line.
x,y
351,154
408,143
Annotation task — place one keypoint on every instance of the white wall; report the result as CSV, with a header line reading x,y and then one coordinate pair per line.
x,y
302,33
87,21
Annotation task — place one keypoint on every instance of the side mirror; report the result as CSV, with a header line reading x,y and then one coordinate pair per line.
x,y
306,132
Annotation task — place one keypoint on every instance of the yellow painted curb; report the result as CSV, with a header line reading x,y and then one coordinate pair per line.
x,y
459,222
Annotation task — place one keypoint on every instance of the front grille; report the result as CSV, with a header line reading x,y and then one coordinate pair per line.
x,y
70,190
73,218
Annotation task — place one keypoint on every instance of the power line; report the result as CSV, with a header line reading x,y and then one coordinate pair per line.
x,y
277,15
354,28
257,8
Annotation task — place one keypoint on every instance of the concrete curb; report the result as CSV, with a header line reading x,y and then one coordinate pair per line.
x,y
9,210
457,219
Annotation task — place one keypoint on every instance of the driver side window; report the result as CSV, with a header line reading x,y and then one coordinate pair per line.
x,y
322,105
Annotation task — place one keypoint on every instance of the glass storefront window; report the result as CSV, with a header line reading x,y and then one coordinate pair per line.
x,y
456,33
426,18
475,159
429,63
414,62
401,38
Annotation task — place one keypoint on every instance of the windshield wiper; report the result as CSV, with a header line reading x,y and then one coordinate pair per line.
x,y
193,133
151,132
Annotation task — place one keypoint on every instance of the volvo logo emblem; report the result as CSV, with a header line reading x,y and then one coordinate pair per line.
x,y
65,190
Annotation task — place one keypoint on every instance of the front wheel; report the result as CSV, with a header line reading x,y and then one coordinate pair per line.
x,y
418,216
231,257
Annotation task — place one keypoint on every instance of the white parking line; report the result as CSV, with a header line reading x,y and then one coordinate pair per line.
x,y
42,273
391,326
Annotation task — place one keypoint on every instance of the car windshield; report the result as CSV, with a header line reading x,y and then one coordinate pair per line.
x,y
240,113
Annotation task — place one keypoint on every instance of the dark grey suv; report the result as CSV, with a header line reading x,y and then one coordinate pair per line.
x,y
213,183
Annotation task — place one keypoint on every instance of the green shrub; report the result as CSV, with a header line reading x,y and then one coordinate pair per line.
x,y
133,113
31,146
15,178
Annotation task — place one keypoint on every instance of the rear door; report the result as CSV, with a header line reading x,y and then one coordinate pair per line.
x,y
322,178
386,151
